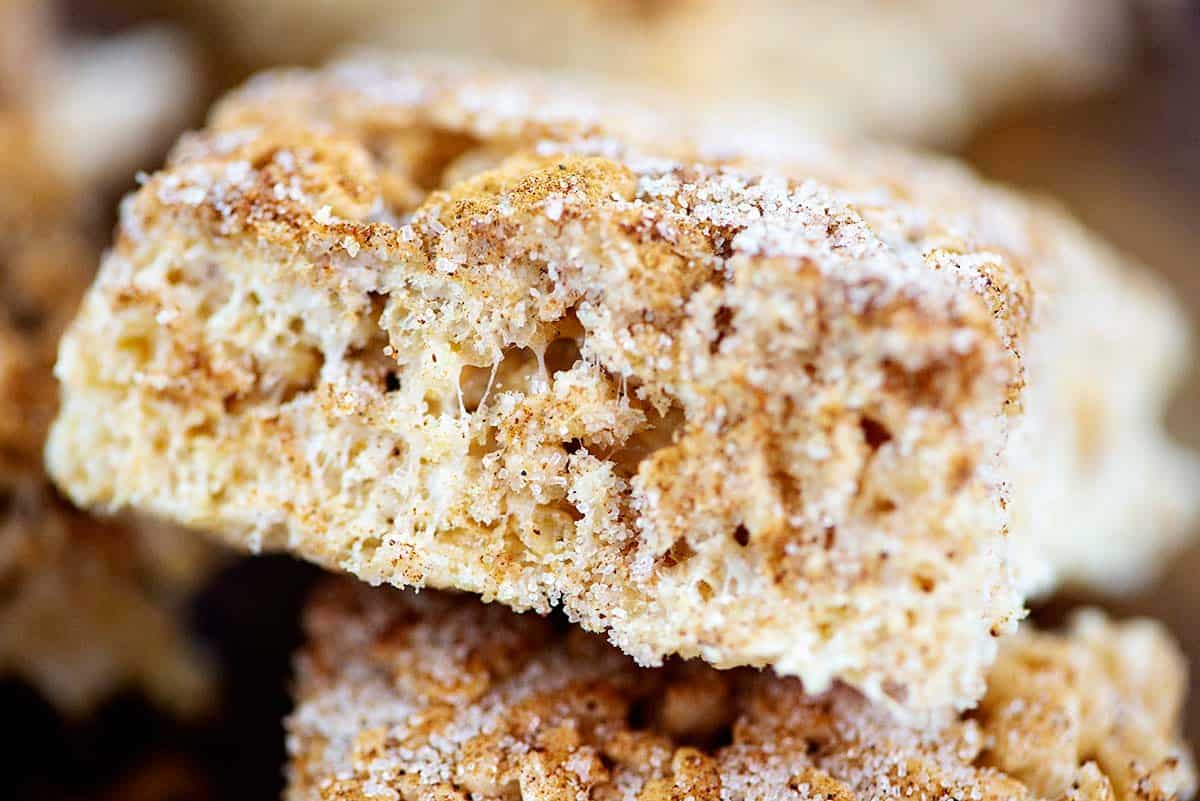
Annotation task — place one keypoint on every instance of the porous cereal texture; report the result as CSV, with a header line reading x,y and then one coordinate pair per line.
x,y
813,409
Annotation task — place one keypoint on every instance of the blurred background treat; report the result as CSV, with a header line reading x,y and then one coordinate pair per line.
x,y
86,606
919,70
1092,102
89,609
1127,162
98,106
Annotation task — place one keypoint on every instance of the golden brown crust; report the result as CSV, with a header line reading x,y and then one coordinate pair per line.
x,y
473,330
403,696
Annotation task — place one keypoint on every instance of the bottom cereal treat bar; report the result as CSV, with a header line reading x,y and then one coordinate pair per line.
x,y
433,696
87,606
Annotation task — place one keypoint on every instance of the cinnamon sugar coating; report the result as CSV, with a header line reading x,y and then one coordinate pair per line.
x,y
403,696
475,330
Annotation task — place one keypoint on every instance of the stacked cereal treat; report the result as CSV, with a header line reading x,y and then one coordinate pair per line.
x,y
917,70
437,327
88,606
435,696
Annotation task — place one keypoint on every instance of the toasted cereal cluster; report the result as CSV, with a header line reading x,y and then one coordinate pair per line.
x,y
86,606
835,65
417,696
470,330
